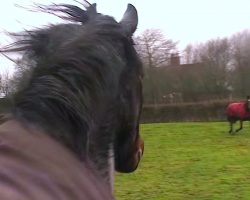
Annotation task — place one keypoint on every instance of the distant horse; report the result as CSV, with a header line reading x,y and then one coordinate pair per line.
x,y
237,111
83,88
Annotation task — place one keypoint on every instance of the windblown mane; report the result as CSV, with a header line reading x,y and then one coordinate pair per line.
x,y
76,71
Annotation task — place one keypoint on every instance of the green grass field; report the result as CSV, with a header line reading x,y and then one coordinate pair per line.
x,y
190,161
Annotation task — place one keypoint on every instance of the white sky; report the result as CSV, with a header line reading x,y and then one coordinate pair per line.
x,y
186,21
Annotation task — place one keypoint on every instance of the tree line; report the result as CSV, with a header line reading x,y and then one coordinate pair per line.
x,y
216,69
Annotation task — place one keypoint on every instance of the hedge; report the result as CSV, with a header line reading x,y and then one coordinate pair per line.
x,y
203,111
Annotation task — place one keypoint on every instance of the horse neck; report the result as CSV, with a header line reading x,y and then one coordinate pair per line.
x,y
102,156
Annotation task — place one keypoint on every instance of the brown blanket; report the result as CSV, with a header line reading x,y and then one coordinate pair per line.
x,y
33,166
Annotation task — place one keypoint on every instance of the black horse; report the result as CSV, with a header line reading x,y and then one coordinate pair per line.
x,y
83,87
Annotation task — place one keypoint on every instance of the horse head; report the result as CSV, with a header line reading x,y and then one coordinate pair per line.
x,y
129,146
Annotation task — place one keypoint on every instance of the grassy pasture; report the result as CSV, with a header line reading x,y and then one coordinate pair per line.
x,y
190,161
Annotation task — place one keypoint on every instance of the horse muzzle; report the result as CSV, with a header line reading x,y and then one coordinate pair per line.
x,y
133,160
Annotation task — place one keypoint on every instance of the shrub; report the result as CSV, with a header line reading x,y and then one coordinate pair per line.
x,y
202,111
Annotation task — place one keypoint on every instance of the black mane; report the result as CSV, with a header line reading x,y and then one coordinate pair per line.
x,y
77,70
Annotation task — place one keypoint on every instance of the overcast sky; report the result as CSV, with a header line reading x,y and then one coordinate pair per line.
x,y
186,21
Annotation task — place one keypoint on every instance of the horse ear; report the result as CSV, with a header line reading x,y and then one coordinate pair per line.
x,y
91,10
130,20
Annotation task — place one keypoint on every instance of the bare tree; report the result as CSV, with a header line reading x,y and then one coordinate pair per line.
x,y
217,61
5,83
154,48
214,56
191,53
241,62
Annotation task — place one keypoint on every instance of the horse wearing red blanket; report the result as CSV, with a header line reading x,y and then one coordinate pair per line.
x,y
238,111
